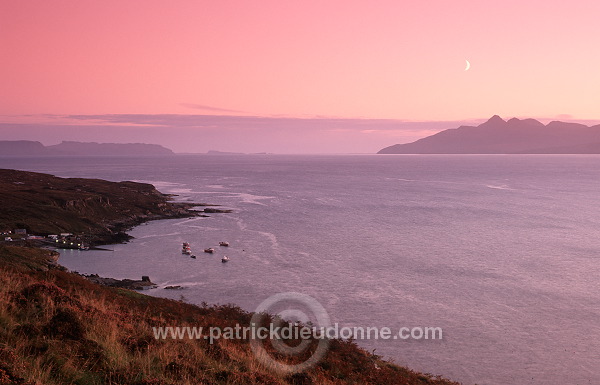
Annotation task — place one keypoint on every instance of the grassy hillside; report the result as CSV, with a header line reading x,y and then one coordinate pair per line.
x,y
45,204
58,328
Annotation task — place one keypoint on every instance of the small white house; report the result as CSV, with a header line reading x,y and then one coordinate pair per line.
x,y
65,235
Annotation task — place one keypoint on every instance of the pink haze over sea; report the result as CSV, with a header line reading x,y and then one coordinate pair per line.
x,y
277,76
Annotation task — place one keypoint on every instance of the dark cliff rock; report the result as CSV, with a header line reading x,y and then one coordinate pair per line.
x,y
101,210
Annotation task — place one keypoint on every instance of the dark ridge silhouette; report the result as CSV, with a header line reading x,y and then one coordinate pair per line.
x,y
45,204
24,148
115,149
515,136
20,147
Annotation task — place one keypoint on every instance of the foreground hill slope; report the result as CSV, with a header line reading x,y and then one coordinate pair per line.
x,y
57,327
515,136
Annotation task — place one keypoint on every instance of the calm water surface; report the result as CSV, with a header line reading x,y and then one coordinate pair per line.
x,y
501,252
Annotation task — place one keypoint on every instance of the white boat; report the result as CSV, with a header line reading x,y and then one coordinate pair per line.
x,y
224,244
209,250
225,259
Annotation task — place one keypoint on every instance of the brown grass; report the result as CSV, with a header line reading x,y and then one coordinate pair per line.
x,y
58,328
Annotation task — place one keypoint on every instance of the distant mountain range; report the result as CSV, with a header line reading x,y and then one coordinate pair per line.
x,y
32,148
515,136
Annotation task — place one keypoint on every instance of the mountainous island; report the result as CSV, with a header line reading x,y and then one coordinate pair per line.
x,y
514,136
58,327
17,148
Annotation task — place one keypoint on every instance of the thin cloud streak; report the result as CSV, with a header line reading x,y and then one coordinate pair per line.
x,y
249,134
210,108
201,133
282,123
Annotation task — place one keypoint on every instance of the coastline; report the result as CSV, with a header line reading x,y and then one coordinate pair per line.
x,y
99,211
91,334
39,275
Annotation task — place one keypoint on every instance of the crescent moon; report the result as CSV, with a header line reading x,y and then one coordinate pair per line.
x,y
468,65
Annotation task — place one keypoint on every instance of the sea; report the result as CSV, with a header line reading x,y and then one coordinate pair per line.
x,y
500,252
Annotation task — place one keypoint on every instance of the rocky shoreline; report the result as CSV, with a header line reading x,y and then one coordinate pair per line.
x,y
118,230
176,210
143,284
52,317
96,212
132,284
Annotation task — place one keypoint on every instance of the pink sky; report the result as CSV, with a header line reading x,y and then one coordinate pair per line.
x,y
401,60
